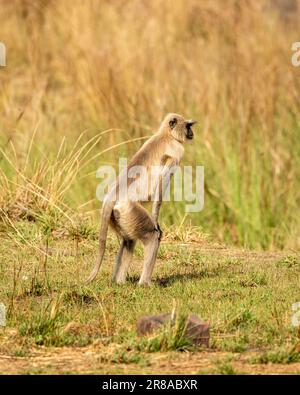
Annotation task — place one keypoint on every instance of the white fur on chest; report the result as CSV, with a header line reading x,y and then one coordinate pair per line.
x,y
175,150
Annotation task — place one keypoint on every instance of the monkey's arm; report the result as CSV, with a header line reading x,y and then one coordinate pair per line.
x,y
163,182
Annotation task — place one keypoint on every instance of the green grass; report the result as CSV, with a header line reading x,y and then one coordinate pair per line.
x,y
283,355
246,297
225,367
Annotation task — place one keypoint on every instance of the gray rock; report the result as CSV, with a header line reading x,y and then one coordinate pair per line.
x,y
196,329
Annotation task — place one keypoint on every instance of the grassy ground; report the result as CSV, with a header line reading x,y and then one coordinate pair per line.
x,y
56,325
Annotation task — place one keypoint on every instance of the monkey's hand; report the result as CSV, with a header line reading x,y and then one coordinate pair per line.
x,y
160,232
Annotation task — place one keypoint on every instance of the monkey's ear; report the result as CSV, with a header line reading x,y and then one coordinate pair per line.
x,y
173,123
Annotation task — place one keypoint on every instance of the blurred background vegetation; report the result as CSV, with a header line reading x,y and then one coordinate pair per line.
x,y
86,79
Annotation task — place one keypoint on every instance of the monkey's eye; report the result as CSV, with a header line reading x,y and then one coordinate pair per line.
x,y
173,123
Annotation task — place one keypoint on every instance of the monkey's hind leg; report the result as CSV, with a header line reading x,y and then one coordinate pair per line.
x,y
151,245
123,261
133,222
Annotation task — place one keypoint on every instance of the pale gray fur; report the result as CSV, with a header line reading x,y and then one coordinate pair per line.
x,y
129,218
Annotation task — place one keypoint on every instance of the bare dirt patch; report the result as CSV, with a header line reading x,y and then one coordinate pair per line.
x,y
89,360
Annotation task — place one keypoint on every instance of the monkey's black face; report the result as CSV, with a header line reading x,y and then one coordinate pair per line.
x,y
189,131
181,129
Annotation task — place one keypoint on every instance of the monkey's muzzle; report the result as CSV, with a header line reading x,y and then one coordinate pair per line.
x,y
189,131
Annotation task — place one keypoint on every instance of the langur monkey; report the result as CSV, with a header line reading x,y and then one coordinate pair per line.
x,y
127,216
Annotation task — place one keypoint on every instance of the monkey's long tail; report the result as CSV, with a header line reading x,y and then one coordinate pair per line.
x,y
106,214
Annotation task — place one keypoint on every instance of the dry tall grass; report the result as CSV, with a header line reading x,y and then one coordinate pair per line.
x,y
94,65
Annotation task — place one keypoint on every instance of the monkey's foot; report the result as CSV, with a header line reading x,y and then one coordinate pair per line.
x,y
145,283
119,281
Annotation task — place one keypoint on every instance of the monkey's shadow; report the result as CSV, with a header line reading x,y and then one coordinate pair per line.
x,y
167,281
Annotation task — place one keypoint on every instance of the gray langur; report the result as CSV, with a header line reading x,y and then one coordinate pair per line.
x,y
128,217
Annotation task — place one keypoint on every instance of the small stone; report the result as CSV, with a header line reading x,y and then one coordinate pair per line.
x,y
196,329
148,324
